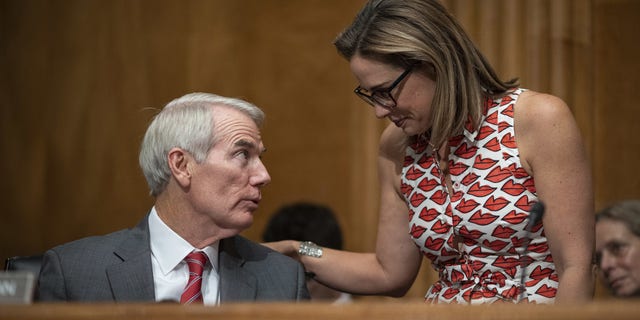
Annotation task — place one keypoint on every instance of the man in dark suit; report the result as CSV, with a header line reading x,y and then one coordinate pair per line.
x,y
201,158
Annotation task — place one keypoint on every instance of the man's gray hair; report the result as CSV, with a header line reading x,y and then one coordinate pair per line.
x,y
185,123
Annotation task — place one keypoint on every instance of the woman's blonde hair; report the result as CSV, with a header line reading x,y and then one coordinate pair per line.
x,y
405,32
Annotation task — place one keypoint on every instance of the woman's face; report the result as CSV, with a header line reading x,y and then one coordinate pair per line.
x,y
413,95
618,256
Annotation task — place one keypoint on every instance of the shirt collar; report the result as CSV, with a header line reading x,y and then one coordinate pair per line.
x,y
169,248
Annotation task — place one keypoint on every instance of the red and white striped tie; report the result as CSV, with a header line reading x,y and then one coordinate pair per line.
x,y
192,292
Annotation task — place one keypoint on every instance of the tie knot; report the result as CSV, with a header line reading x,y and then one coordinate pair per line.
x,y
196,261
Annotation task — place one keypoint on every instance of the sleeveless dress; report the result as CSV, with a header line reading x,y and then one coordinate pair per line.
x,y
476,237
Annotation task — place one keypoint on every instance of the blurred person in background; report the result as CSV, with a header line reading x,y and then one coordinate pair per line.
x,y
618,248
305,221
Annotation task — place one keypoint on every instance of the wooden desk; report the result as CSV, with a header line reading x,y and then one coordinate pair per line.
x,y
608,310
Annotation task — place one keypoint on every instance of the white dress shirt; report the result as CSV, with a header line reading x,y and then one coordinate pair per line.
x,y
170,271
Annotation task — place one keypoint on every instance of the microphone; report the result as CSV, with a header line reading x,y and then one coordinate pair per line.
x,y
535,216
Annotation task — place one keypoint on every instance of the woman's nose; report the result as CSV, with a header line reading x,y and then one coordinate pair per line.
x,y
381,111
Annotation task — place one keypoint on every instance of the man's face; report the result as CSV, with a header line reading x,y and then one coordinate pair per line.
x,y
618,256
226,185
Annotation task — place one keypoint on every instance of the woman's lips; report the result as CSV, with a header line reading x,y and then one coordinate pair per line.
x,y
398,122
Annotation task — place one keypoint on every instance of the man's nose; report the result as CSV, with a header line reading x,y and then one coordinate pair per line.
x,y
607,262
261,176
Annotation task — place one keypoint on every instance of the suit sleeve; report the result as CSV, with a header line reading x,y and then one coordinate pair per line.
x,y
51,284
302,291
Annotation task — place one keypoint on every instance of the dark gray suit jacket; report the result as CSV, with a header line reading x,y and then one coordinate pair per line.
x,y
117,267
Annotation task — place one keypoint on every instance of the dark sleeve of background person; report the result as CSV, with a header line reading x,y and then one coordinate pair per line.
x,y
305,222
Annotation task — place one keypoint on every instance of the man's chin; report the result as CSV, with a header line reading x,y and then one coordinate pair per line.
x,y
245,223
627,293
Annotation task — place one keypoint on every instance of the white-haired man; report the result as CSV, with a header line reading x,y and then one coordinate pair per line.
x,y
201,157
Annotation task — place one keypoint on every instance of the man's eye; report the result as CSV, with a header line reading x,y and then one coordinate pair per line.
x,y
616,248
243,154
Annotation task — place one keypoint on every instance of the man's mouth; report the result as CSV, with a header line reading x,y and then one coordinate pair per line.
x,y
254,201
616,283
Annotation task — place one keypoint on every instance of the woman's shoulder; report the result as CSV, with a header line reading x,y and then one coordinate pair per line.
x,y
537,110
542,123
528,97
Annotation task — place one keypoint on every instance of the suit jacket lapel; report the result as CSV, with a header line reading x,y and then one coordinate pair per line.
x,y
132,280
236,284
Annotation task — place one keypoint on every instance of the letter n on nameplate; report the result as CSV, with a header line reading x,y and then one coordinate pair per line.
x,y
16,287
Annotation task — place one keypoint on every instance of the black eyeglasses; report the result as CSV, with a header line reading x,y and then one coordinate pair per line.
x,y
382,97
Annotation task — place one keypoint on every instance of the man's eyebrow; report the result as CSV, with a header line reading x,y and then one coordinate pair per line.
x,y
245,143
249,145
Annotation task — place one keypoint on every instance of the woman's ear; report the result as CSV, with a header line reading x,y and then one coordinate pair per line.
x,y
180,166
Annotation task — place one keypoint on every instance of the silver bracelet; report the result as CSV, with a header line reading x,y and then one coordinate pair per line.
x,y
308,248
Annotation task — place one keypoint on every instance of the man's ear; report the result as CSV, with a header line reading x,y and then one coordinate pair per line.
x,y
180,164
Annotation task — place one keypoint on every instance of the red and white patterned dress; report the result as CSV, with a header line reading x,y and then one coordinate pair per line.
x,y
476,237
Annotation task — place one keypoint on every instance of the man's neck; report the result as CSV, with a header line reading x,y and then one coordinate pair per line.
x,y
196,229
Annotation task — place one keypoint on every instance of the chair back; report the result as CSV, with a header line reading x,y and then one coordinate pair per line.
x,y
24,263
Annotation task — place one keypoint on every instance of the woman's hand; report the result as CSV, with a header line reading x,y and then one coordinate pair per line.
x,y
286,247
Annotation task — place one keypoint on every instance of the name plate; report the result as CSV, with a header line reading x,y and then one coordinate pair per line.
x,y
16,286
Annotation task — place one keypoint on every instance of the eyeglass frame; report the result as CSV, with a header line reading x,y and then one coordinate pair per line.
x,y
371,100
